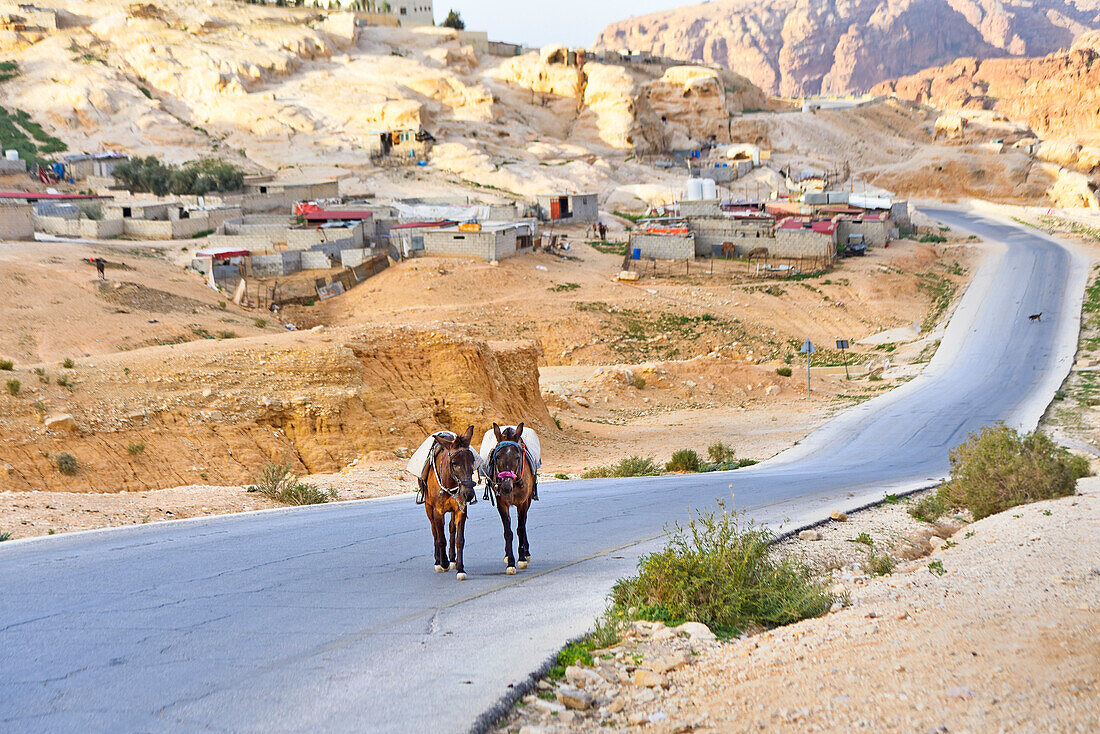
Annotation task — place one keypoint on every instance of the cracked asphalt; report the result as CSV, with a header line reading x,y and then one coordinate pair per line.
x,y
331,618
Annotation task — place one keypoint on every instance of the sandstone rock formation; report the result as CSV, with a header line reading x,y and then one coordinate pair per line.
x,y
799,47
1057,95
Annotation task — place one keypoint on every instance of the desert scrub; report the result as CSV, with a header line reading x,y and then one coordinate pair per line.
x,y
998,468
66,464
278,483
14,386
929,508
632,466
68,363
684,460
5,536
721,571
7,365
879,564
136,449
783,371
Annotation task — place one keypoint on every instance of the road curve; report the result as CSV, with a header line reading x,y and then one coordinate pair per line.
x,y
331,617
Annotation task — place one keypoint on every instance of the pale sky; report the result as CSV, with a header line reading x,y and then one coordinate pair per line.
x,y
538,22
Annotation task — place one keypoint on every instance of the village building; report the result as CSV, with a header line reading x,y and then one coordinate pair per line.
x,y
408,237
83,166
409,145
291,190
568,207
804,238
678,244
490,241
870,228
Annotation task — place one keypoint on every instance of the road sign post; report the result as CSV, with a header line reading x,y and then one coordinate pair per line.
x,y
808,349
842,344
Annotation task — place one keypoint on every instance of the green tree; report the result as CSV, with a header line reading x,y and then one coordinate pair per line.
x,y
454,20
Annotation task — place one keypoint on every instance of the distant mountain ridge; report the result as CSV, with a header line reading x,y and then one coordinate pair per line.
x,y
803,47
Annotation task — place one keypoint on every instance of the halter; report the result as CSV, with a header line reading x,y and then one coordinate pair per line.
x,y
449,491
493,477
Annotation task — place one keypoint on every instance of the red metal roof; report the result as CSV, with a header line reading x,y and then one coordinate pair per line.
x,y
326,215
36,195
413,225
218,254
819,226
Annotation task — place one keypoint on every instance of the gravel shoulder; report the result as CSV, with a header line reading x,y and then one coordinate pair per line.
x,y
1007,638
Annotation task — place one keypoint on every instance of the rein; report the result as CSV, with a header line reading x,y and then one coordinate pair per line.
x,y
449,491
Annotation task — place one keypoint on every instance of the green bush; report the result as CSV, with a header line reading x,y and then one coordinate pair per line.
x,y
278,483
14,386
879,564
721,572
719,453
933,238
150,175
929,508
633,466
136,449
783,371
68,363
998,468
684,460
7,365
5,536
66,464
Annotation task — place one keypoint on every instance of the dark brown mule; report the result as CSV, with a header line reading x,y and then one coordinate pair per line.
x,y
511,479
450,490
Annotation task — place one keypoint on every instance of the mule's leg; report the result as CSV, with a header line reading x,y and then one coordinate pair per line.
x,y
461,542
521,527
506,519
451,553
437,541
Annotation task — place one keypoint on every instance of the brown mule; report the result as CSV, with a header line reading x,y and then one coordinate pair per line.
x,y
450,489
511,479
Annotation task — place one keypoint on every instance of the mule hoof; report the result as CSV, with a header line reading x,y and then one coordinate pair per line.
x,y
522,564
438,568
461,576
452,566
511,571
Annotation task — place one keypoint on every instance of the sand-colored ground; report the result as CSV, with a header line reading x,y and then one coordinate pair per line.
x,y
642,369
1004,639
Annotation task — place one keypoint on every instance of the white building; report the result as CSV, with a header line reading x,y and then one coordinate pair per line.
x,y
408,12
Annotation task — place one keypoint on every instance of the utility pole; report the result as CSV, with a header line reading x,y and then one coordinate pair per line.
x,y
808,349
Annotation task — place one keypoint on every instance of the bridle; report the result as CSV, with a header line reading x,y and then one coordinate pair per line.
x,y
493,477
450,491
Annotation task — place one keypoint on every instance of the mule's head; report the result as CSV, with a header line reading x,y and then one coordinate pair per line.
x,y
459,465
508,459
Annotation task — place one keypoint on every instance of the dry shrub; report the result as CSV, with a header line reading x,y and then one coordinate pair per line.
x,y
998,468
632,466
277,482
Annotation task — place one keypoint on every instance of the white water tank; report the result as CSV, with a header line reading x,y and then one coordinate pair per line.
x,y
710,189
694,190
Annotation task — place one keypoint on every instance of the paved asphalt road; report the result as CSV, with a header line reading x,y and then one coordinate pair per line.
x,y
331,618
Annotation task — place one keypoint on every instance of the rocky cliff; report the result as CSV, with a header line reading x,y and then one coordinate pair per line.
x,y
800,47
1057,95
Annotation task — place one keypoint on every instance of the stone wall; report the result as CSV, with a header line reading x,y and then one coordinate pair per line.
x,y
875,232
488,244
315,260
353,257
92,229
16,222
701,208
803,243
306,237
711,232
663,246
277,265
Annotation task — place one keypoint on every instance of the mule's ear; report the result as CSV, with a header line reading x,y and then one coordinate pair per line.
x,y
447,443
468,435
518,433
496,432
